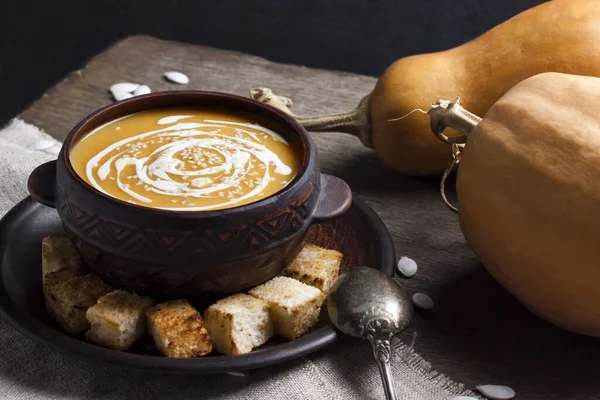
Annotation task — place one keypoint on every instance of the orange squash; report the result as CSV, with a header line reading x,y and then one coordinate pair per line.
x,y
528,188
559,36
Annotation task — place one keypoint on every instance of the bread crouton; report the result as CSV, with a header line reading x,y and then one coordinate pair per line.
x,y
68,300
118,320
59,253
54,278
60,262
178,330
295,306
238,323
316,267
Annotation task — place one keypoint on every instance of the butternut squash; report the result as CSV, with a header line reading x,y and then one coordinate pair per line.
x,y
557,36
528,188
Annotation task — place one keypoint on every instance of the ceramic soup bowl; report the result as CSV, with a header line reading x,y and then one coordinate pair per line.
x,y
190,254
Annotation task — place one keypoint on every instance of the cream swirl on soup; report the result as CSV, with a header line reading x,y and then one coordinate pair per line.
x,y
185,161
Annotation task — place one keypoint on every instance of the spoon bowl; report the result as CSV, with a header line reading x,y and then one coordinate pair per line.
x,y
365,303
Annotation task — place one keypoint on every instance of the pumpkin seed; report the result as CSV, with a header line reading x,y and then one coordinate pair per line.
x,y
55,149
239,373
464,398
176,77
496,392
407,267
121,95
42,144
422,301
127,87
142,89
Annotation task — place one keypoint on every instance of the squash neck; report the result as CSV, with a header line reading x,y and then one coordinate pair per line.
x,y
356,122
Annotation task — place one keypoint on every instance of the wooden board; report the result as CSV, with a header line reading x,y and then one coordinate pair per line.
x,y
477,333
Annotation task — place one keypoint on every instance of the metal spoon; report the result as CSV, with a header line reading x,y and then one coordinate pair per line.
x,y
365,303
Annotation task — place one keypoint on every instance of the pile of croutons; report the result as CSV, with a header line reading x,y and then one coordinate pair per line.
x,y
287,306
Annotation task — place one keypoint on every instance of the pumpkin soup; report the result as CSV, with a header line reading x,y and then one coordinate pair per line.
x,y
185,159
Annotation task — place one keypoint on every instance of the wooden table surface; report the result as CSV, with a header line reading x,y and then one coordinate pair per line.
x,y
477,332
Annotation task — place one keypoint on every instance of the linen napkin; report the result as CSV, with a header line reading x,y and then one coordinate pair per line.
x,y
345,370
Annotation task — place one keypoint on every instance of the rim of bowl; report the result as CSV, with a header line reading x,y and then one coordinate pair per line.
x,y
309,150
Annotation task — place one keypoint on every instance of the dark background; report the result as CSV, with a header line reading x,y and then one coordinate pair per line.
x,y
42,41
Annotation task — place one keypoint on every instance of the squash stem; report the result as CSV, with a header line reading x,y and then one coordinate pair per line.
x,y
356,122
450,114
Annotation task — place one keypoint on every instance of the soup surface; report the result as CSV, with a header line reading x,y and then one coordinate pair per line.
x,y
185,159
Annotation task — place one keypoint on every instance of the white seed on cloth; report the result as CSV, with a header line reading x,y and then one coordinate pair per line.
x,y
53,149
239,373
142,89
422,301
407,267
123,90
127,87
496,392
176,77
42,144
47,146
118,96
464,398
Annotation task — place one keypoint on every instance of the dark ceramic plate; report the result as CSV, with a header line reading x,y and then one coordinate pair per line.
x,y
359,234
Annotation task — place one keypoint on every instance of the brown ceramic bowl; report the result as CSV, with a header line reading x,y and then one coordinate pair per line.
x,y
185,253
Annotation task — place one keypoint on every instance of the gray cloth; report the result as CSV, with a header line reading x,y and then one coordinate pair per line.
x,y
30,371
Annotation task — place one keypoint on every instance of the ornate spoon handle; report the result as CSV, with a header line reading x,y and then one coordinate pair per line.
x,y
382,351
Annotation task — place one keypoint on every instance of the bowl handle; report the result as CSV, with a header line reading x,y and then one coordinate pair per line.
x,y
335,198
42,183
